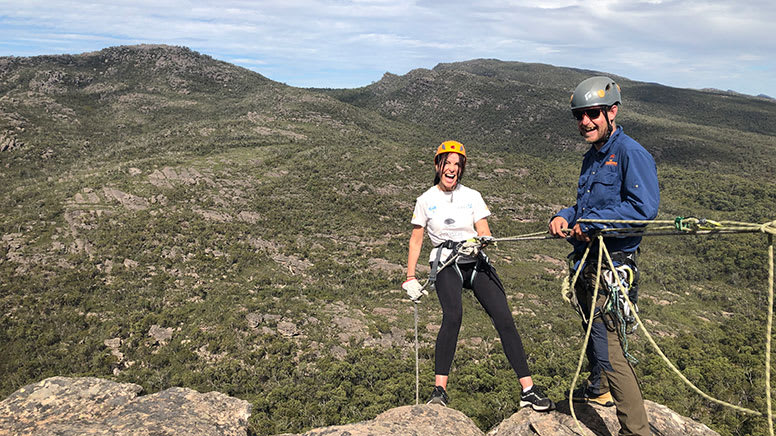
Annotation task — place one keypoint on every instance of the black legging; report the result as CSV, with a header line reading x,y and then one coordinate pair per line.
x,y
490,293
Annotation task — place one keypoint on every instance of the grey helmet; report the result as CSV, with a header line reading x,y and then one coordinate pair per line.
x,y
595,91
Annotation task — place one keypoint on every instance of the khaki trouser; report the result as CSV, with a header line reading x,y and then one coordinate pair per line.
x,y
615,373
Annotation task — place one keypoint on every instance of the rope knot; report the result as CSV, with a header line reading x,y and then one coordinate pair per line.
x,y
769,228
680,224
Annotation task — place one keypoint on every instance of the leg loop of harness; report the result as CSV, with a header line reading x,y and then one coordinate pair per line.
x,y
483,263
458,270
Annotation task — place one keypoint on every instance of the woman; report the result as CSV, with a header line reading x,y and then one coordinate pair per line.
x,y
452,213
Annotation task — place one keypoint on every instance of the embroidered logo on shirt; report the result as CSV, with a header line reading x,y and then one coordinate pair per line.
x,y
611,160
449,221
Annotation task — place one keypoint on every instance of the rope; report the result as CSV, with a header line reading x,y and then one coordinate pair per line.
x,y
526,237
769,329
417,364
587,332
678,226
602,249
682,225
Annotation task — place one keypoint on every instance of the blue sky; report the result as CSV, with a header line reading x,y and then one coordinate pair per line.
x,y
350,43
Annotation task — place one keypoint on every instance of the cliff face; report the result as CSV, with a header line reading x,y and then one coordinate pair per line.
x,y
77,406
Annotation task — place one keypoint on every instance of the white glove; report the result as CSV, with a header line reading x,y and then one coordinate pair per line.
x,y
414,289
471,247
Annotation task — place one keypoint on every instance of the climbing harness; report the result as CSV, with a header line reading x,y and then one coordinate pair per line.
x,y
615,312
614,286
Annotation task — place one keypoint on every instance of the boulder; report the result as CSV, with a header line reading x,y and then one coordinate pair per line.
x,y
407,421
87,405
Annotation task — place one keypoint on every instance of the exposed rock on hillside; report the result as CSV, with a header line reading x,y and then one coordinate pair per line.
x,y
8,142
61,405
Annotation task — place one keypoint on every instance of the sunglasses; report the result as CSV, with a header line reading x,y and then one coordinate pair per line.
x,y
591,113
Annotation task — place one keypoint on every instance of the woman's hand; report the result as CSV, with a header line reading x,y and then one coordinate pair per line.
x,y
414,290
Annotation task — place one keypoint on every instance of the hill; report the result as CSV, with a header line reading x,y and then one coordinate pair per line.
x,y
524,107
172,220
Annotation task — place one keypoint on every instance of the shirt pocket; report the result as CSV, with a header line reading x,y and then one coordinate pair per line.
x,y
606,188
582,185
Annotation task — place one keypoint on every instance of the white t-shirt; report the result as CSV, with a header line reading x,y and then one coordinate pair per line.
x,y
449,216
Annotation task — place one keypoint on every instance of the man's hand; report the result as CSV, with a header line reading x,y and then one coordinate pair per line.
x,y
414,289
577,233
557,225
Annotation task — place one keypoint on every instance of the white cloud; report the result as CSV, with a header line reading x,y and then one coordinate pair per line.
x,y
693,43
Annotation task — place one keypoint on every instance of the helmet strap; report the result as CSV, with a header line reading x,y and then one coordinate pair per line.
x,y
608,134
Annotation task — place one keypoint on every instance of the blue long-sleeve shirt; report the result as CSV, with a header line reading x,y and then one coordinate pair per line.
x,y
618,182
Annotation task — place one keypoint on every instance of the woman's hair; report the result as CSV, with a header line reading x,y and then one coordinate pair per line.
x,y
442,157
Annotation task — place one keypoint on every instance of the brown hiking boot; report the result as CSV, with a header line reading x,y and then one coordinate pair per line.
x,y
582,395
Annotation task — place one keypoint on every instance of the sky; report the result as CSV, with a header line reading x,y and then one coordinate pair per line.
x,y
723,44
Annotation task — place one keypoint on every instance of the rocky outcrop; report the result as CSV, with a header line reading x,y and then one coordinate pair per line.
x,y
92,406
440,421
81,406
407,421
595,420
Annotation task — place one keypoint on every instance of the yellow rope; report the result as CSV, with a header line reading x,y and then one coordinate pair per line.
x,y
688,226
587,332
768,335
602,249
666,360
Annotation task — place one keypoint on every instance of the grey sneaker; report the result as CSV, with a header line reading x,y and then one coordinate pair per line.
x,y
536,399
439,396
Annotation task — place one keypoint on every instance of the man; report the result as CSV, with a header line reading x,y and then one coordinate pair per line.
x,y
618,181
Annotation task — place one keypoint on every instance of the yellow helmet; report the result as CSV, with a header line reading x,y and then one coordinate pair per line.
x,y
450,147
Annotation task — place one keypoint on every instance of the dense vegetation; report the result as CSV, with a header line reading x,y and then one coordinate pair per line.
x,y
172,220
